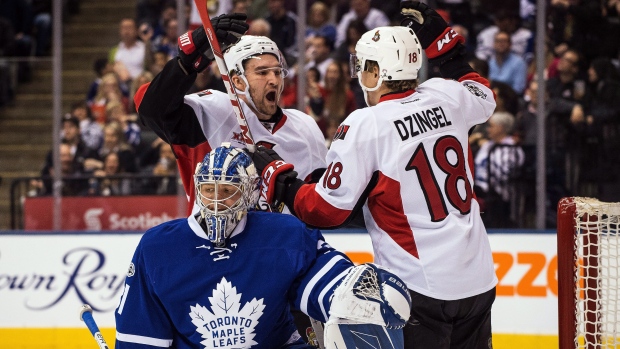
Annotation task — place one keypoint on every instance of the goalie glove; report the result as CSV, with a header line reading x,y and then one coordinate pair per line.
x,y
195,53
371,294
436,37
368,310
276,175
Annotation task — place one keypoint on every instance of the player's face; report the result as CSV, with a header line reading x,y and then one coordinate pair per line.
x,y
265,76
222,195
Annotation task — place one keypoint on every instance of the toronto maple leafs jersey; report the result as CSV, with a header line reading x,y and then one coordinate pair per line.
x,y
195,124
406,162
182,291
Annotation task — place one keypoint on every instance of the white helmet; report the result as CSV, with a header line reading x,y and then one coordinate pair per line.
x,y
397,50
247,47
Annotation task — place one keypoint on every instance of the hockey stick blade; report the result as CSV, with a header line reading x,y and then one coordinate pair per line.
x,y
86,315
221,64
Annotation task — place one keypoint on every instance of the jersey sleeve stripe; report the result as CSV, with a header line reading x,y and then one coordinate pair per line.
x,y
327,288
132,338
311,208
315,279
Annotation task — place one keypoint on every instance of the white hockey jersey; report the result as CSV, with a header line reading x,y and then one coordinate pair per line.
x,y
406,160
195,124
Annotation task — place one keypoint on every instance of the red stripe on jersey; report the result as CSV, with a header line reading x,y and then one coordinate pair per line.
x,y
279,124
187,159
137,98
311,208
397,95
386,208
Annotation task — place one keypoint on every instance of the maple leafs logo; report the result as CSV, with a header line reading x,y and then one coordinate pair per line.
x,y
227,325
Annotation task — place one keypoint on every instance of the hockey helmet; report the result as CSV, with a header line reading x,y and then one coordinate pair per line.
x,y
226,173
397,50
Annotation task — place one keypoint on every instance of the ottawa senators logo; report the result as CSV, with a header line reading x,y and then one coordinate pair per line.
x,y
204,93
376,37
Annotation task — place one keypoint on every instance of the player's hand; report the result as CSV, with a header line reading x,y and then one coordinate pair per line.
x,y
275,174
435,36
195,53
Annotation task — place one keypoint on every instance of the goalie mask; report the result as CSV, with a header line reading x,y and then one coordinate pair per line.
x,y
397,50
251,47
227,186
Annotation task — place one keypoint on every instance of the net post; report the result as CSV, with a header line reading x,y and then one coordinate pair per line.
x,y
567,261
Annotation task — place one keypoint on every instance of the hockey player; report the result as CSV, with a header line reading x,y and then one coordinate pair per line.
x,y
404,161
193,124
224,277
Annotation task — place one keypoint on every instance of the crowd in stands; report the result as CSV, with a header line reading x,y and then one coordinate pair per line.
x,y
581,77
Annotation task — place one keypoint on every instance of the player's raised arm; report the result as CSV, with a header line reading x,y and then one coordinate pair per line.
x,y
440,42
160,103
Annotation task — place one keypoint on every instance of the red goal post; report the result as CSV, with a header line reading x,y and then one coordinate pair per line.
x,y
588,242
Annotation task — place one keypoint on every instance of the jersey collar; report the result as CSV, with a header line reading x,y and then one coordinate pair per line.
x,y
275,122
396,95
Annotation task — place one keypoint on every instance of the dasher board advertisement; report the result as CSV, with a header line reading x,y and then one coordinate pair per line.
x,y
46,277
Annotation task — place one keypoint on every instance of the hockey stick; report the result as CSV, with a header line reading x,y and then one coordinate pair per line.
x,y
221,64
86,315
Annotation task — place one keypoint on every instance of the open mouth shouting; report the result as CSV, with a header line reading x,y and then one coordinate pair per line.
x,y
271,96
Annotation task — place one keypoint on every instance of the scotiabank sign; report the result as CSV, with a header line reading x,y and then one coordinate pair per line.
x,y
103,213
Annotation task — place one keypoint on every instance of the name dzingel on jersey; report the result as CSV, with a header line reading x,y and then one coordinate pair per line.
x,y
421,122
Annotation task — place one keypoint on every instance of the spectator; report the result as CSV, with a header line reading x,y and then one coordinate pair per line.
x,y
566,118
339,99
111,186
19,14
101,66
579,25
319,55
71,136
108,90
166,166
167,43
143,78
90,131
360,9
42,23
283,29
130,51
260,27
240,6
600,156
506,66
69,169
497,165
113,142
115,112
354,32
507,21
318,22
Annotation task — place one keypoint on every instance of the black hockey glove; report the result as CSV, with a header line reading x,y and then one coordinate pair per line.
x,y
276,174
195,54
436,37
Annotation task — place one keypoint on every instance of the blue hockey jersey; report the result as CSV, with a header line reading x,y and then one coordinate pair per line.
x,y
182,291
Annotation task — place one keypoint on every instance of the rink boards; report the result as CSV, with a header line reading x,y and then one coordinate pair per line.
x,y
46,277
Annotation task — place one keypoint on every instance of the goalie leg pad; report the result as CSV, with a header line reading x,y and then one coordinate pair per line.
x,y
370,294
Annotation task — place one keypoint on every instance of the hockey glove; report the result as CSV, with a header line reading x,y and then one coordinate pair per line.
x,y
436,37
195,53
276,174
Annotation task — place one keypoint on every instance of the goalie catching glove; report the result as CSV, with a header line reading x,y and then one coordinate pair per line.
x,y
195,53
368,310
276,174
436,37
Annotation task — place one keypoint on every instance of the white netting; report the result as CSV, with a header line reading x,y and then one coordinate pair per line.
x,y
597,277
368,285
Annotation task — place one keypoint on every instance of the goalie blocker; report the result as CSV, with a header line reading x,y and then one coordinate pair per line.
x,y
369,310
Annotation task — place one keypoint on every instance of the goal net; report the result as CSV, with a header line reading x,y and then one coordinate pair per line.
x,y
588,273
